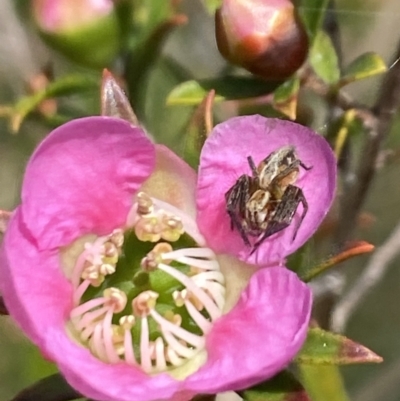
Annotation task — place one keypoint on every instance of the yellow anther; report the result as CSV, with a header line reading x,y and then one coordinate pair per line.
x,y
127,322
154,257
92,274
173,318
144,302
148,229
117,238
118,339
110,252
115,298
179,297
144,204
172,228
106,269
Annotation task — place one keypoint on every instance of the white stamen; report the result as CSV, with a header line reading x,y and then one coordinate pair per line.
x,y
112,355
198,318
179,348
195,340
159,347
87,306
208,303
145,357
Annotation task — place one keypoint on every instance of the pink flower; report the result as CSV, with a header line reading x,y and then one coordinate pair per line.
x,y
105,269
224,160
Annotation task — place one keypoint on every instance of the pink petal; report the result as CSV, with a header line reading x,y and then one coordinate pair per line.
x,y
260,336
224,160
82,177
38,297
172,181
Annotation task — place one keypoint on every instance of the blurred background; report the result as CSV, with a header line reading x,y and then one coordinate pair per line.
x,y
190,51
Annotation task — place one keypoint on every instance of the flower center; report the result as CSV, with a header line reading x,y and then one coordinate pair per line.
x,y
149,294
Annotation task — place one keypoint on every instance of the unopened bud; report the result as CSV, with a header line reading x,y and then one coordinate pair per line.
x,y
86,31
264,36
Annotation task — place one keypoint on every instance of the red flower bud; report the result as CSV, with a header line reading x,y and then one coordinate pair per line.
x,y
264,36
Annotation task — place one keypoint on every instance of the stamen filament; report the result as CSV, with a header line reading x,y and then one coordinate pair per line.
x,y
90,317
87,306
80,291
128,346
204,324
159,349
179,348
145,357
211,307
190,338
110,351
97,342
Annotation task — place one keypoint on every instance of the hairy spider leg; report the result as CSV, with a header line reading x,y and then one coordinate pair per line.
x,y
236,198
305,167
253,166
284,214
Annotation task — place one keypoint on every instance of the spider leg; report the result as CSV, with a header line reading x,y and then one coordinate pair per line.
x,y
284,214
253,166
304,166
236,198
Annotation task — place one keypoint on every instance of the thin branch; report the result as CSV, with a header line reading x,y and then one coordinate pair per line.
x,y
356,190
371,276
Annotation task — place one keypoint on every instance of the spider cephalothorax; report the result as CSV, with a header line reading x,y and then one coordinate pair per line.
x,y
264,203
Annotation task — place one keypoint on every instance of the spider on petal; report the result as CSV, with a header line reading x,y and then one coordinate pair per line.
x,y
266,202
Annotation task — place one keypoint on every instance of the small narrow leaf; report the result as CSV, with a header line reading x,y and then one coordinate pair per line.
x,y
226,88
312,13
352,249
364,66
282,387
51,388
343,131
285,97
67,85
200,126
114,102
326,348
323,58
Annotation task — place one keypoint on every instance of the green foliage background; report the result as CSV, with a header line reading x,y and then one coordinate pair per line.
x,y
366,25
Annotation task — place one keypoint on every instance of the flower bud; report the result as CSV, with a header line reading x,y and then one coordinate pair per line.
x,y
264,36
85,31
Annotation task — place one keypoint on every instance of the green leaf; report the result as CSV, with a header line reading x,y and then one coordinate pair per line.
x,y
323,58
51,388
323,383
67,85
326,348
312,13
212,5
364,66
307,272
282,387
147,49
226,88
200,126
285,97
